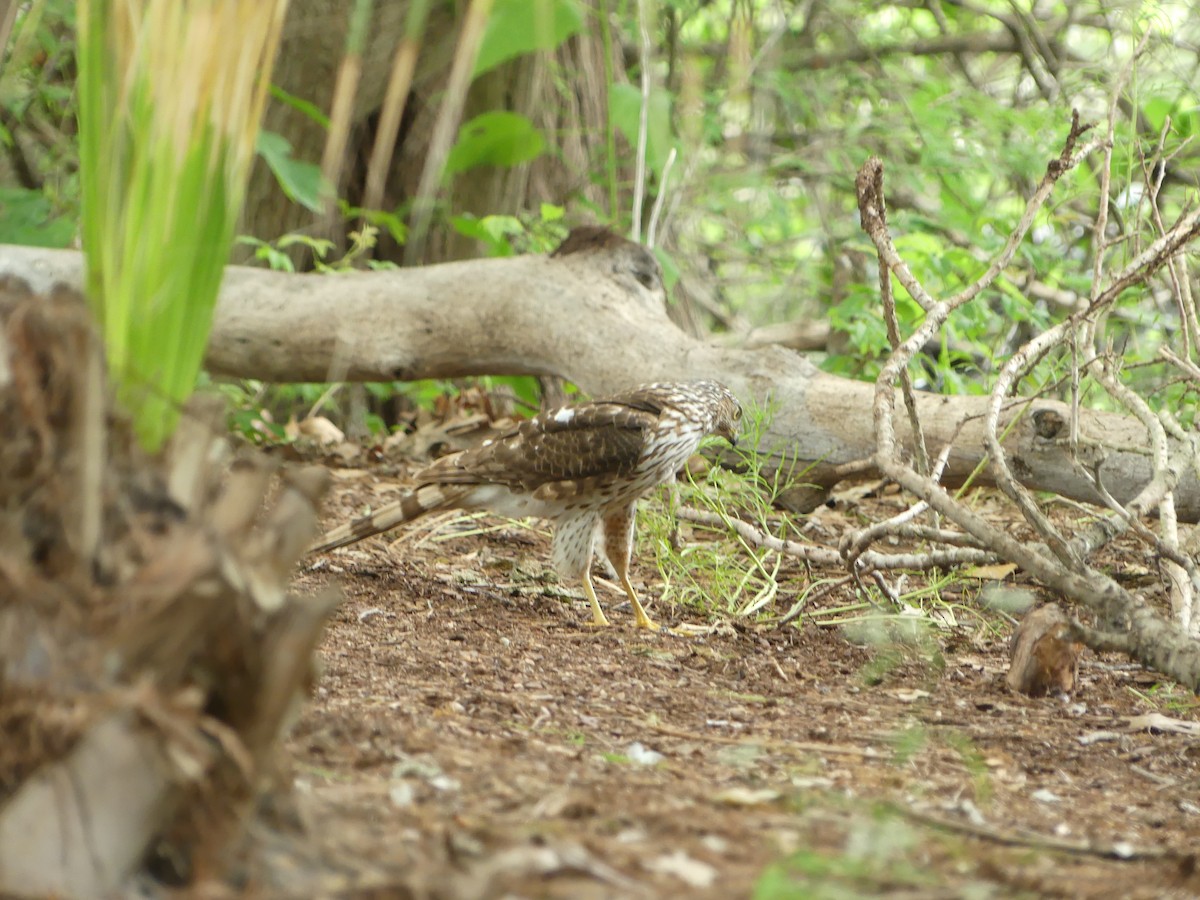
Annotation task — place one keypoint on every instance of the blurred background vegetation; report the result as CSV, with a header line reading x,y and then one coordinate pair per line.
x,y
521,118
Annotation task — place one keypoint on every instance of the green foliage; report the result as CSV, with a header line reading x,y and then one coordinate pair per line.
x,y
271,253
670,269
26,217
379,219
301,181
625,109
309,109
510,235
496,233
972,759
256,408
773,148
517,27
729,576
880,854
495,139
772,108
361,243
39,202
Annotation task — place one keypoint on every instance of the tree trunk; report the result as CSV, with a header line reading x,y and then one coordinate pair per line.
x,y
150,653
572,118
587,315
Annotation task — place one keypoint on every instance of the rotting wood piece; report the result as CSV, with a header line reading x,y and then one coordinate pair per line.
x,y
1045,657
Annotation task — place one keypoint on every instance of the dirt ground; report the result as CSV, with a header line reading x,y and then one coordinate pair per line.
x,y
473,737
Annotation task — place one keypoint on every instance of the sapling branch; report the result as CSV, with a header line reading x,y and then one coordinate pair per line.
x,y
1131,623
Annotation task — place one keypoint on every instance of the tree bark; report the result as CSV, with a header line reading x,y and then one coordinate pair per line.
x,y
151,655
571,116
597,317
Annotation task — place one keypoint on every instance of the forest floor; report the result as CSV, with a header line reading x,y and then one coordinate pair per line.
x,y
473,737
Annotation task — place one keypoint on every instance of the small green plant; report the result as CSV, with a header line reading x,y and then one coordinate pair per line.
x,y
511,235
880,853
362,242
300,181
39,202
972,759
28,217
1168,696
908,742
730,575
169,109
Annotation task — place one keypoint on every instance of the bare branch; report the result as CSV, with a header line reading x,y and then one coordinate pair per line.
x,y
1150,638
867,561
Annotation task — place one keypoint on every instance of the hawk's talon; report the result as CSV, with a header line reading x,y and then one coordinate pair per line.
x,y
599,620
639,611
649,624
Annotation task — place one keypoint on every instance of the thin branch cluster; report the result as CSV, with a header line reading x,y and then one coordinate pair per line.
x,y
1060,561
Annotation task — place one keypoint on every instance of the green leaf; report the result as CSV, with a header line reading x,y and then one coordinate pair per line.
x,y
382,219
320,247
495,139
516,27
495,232
300,181
625,110
275,259
25,218
301,105
525,388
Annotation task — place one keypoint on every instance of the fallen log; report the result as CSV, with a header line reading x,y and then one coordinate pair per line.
x,y
594,312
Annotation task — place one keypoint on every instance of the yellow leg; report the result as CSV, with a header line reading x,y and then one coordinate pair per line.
x,y
599,620
618,544
643,620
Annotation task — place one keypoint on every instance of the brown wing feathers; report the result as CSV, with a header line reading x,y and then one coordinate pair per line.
x,y
568,443
555,454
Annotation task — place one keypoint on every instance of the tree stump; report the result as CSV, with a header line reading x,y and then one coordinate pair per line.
x,y
150,653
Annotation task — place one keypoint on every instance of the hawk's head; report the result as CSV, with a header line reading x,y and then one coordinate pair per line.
x,y
721,411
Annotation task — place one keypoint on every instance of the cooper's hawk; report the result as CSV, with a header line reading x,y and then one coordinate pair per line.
x,y
583,467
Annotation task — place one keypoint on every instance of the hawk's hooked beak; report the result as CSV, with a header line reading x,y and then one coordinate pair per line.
x,y
730,435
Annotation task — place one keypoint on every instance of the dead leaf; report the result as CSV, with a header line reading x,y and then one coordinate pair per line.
x,y
997,572
321,430
744,796
693,872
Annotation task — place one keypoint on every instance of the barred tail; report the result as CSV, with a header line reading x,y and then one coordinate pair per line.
x,y
412,505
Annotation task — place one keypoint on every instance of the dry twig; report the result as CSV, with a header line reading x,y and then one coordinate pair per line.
x,y
1150,637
